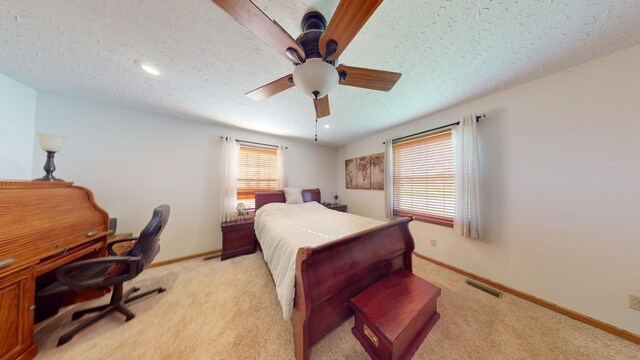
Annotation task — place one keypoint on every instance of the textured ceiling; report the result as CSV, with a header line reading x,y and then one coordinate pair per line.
x,y
448,52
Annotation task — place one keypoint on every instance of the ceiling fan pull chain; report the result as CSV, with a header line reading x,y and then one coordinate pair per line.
x,y
316,129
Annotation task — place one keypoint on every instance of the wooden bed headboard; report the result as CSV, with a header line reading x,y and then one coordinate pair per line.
x,y
267,197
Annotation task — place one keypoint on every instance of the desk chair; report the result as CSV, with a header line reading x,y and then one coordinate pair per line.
x,y
114,270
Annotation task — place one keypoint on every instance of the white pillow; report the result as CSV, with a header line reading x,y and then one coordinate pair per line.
x,y
293,195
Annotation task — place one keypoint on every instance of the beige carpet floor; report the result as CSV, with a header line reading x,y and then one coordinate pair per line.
x,y
229,310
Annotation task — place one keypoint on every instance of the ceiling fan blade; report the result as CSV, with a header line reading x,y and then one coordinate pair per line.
x,y
251,17
322,106
271,88
367,78
349,17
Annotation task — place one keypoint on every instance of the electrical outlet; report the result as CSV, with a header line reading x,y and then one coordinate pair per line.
x,y
434,243
634,302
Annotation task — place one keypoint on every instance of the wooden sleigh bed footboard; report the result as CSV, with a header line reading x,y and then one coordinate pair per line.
x,y
329,275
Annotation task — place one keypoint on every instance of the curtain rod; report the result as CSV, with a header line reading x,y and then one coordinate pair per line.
x,y
434,129
256,143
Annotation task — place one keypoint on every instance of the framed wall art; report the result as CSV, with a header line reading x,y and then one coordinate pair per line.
x,y
365,172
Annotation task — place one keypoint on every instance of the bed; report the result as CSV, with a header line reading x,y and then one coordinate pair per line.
x,y
329,274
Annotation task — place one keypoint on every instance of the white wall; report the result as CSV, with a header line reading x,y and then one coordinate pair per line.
x,y
560,188
17,116
135,160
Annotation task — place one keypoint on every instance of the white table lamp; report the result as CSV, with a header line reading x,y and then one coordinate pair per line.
x,y
51,144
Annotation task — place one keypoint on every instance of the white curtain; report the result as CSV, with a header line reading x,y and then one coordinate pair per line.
x,y
388,179
229,181
466,221
282,173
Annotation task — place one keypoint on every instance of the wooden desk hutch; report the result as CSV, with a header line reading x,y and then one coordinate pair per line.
x,y
43,226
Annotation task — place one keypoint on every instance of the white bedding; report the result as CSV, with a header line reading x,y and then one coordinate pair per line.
x,y
284,228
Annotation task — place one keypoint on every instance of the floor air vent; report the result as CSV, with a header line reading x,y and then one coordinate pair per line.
x,y
483,288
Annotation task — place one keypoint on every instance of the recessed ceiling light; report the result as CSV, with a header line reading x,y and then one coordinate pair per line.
x,y
326,126
148,68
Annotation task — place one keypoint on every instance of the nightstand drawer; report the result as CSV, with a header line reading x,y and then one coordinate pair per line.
x,y
338,207
238,239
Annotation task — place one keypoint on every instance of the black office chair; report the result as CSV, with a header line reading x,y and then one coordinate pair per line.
x,y
114,270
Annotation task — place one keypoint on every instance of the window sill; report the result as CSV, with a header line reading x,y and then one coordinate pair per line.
x,y
437,220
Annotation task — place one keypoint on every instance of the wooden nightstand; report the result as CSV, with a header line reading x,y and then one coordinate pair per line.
x,y
238,238
338,207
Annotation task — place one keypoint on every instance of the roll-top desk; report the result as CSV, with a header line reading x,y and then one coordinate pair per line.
x,y
43,225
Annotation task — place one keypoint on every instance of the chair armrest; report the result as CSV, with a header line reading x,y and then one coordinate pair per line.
x,y
111,244
79,286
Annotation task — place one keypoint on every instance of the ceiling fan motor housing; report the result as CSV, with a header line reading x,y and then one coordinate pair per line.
x,y
313,25
313,20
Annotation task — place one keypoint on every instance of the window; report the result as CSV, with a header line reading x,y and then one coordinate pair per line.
x,y
423,178
257,171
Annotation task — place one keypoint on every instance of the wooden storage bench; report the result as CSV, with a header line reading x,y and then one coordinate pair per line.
x,y
394,315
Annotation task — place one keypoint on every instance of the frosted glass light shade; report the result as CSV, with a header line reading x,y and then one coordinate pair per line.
x,y
315,75
51,142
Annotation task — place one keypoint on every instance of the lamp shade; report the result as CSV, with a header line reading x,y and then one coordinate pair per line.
x,y
51,142
315,75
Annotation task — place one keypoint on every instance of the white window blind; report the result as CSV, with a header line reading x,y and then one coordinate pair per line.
x,y
423,178
257,171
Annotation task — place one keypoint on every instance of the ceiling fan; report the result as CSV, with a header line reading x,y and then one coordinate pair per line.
x,y
316,50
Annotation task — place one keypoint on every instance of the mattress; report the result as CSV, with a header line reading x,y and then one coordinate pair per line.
x,y
284,228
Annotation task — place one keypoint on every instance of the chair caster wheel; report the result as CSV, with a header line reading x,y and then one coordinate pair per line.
x,y
135,289
161,290
130,318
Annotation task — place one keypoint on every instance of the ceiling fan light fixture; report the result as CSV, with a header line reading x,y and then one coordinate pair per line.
x,y
315,75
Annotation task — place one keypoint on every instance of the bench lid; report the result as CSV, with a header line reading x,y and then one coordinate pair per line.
x,y
393,302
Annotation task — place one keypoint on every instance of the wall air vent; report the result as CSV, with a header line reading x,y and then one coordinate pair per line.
x,y
484,288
